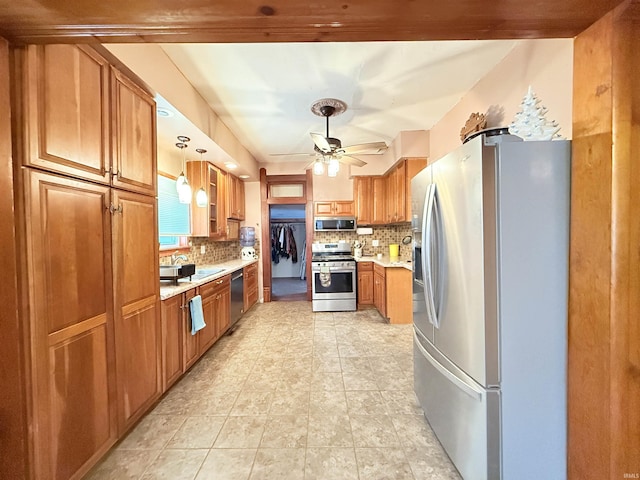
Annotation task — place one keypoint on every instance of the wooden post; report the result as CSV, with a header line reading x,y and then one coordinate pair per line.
x,y
604,299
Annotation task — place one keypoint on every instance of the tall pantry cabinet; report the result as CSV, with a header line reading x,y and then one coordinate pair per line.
x,y
86,173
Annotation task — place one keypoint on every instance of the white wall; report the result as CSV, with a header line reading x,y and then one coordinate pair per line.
x,y
546,65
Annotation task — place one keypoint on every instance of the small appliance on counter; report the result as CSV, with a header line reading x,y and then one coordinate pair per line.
x,y
358,246
247,242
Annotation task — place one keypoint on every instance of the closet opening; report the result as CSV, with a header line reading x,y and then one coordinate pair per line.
x,y
288,247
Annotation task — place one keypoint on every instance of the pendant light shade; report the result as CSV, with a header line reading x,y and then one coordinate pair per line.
x,y
333,167
202,199
318,167
184,194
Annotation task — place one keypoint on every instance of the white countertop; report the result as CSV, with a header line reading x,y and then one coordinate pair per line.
x,y
387,261
168,290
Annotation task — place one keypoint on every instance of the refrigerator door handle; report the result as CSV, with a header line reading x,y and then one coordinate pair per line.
x,y
471,390
427,216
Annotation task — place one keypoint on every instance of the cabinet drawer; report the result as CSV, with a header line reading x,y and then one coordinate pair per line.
x,y
365,266
213,286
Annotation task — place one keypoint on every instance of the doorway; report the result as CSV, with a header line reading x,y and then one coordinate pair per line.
x,y
287,227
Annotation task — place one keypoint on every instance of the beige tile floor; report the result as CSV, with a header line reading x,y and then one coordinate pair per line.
x,y
291,394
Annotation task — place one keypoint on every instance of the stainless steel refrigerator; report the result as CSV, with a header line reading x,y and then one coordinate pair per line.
x,y
490,287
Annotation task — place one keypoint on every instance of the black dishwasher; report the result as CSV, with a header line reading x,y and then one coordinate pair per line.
x,y
237,297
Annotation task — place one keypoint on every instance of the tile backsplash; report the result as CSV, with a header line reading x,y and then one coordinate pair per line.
x,y
215,252
386,235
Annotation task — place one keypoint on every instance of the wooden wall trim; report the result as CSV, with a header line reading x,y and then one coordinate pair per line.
x,y
604,304
13,415
265,243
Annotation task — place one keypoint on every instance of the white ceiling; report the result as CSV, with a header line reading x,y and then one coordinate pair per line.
x,y
263,92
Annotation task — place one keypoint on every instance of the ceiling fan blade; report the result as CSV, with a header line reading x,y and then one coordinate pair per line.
x,y
372,148
349,160
321,142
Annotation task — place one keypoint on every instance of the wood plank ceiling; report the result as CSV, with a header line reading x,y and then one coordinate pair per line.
x,y
293,21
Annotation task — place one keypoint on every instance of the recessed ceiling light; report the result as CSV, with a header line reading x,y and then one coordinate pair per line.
x,y
230,165
164,112
243,176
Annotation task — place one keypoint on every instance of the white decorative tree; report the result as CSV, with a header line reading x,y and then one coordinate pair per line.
x,y
530,123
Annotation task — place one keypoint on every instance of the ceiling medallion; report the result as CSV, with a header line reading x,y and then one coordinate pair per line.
x,y
336,107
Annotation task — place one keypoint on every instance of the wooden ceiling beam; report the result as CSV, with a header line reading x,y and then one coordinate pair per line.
x,y
116,21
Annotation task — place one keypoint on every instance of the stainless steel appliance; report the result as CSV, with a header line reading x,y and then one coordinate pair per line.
x,y
490,256
332,224
334,277
237,297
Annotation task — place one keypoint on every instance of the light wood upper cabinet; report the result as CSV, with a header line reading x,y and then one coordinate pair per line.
x,y
335,208
68,233
362,196
67,111
137,307
398,185
235,198
86,119
134,136
370,200
208,221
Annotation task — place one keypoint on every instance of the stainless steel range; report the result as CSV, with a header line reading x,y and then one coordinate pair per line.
x,y
334,277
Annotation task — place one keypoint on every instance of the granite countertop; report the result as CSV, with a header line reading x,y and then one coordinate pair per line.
x,y
170,289
387,261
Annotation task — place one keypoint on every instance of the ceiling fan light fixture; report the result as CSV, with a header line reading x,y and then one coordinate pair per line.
x,y
333,167
318,167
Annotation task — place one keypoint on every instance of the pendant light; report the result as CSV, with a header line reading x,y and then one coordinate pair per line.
x,y
182,178
184,189
201,195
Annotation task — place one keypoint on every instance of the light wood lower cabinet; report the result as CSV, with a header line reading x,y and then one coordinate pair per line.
x,y
365,283
380,289
250,286
177,349
216,299
392,292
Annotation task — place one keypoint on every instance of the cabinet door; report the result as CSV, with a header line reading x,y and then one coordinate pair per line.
x,y
134,136
137,315
172,328
250,286
343,208
379,201
365,286
220,232
240,200
379,293
207,335
66,102
401,192
323,209
362,199
190,345
70,322
391,186
223,310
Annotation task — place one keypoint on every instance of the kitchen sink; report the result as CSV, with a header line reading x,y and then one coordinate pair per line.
x,y
206,272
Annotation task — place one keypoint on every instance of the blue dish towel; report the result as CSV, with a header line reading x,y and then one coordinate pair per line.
x,y
197,316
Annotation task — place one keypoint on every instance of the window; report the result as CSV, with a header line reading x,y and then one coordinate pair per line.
x,y
173,216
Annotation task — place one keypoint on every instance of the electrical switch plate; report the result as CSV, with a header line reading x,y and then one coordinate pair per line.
x,y
375,243
203,249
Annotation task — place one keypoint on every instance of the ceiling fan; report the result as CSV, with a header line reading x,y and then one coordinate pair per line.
x,y
328,149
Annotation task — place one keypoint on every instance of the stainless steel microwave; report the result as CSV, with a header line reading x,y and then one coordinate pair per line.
x,y
332,224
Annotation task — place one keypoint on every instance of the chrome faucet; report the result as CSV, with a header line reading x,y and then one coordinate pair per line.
x,y
175,258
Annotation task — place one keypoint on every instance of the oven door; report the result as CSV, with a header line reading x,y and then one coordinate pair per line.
x,y
337,283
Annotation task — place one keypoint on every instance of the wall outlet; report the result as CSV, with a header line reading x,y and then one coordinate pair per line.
x,y
375,243
203,249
